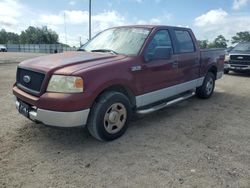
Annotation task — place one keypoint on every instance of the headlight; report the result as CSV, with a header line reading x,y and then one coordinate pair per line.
x,y
227,58
65,84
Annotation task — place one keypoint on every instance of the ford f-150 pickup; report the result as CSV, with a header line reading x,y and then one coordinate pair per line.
x,y
238,59
120,71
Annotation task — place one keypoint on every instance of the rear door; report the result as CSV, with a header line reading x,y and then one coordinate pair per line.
x,y
188,55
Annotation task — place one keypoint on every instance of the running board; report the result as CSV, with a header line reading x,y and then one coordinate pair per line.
x,y
165,104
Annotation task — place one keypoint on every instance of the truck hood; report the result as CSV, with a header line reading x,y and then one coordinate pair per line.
x,y
234,52
68,60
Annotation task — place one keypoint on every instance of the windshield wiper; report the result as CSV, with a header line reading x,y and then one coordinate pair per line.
x,y
105,50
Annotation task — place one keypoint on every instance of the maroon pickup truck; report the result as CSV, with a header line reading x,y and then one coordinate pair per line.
x,y
120,71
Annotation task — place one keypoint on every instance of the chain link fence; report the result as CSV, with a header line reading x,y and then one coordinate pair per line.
x,y
39,48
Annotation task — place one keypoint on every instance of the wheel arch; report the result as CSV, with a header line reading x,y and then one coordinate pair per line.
x,y
119,88
213,69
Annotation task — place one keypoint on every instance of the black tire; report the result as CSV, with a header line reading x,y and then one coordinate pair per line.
x,y
97,123
226,71
206,90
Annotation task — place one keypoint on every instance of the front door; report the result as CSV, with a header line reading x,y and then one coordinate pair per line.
x,y
157,75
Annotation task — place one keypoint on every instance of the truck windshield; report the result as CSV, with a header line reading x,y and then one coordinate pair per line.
x,y
127,41
242,47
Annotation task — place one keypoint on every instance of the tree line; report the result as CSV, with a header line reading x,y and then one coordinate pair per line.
x,y
43,35
32,35
221,42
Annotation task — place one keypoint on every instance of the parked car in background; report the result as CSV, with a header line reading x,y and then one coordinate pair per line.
x,y
3,48
238,58
122,70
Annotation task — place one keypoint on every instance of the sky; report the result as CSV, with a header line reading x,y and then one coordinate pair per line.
x,y
207,18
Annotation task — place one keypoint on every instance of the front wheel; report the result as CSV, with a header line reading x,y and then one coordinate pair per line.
x,y
226,71
109,116
206,90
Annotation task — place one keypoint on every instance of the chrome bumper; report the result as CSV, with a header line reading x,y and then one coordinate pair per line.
x,y
237,67
58,119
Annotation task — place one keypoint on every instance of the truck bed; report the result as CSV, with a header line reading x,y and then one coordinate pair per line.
x,y
211,56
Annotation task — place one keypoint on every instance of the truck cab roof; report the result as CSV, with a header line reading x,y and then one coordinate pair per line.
x,y
152,26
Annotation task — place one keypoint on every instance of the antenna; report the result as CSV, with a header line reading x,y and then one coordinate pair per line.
x,y
89,19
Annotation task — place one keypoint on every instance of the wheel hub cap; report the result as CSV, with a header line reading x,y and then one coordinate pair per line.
x,y
115,118
210,85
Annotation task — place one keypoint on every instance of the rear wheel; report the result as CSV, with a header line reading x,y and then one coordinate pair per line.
x,y
109,116
206,90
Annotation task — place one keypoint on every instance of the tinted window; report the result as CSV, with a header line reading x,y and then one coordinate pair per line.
x,y
185,42
161,38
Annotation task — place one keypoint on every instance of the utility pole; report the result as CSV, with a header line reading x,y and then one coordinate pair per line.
x,y
65,29
89,19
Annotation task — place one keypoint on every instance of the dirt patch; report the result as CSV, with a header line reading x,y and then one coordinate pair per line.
x,y
197,143
17,57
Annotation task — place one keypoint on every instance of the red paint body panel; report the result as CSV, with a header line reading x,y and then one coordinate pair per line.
x,y
103,70
25,96
61,60
56,101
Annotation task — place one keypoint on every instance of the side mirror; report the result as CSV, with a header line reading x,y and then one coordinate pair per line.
x,y
160,52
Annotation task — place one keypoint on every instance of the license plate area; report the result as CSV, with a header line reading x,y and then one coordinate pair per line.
x,y
24,108
237,67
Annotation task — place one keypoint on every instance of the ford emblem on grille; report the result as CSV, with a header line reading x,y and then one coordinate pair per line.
x,y
240,57
26,79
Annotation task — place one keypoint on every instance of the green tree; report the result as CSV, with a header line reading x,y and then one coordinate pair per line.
x,y
241,37
36,35
219,42
3,37
8,37
203,43
13,38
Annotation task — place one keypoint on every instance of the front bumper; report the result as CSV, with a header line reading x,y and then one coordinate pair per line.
x,y
57,119
237,67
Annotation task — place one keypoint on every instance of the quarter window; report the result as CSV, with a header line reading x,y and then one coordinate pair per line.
x,y
185,42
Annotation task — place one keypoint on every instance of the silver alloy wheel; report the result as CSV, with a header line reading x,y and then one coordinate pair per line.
x,y
210,86
115,118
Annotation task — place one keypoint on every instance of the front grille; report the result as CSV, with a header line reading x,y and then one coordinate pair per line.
x,y
34,85
240,57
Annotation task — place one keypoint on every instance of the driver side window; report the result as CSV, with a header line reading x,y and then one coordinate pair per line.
x,y
161,38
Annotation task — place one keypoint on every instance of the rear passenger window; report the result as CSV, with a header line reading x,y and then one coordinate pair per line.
x,y
161,38
185,42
